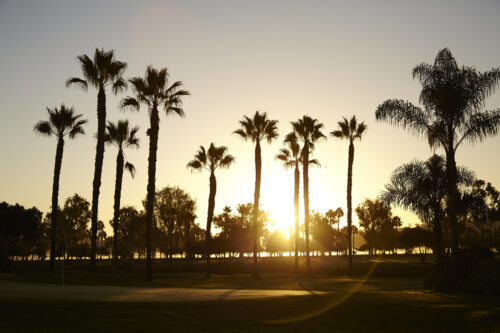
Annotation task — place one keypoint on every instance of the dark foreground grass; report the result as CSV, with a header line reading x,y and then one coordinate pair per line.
x,y
377,303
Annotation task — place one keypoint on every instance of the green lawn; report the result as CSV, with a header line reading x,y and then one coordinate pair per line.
x,y
377,303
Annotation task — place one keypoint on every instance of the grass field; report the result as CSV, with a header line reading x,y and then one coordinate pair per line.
x,y
326,303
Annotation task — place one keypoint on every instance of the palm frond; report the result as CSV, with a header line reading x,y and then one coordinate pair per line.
x,y
130,168
77,82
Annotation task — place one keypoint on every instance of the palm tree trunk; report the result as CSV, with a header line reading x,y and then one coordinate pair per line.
x,y
438,235
188,238
349,202
96,185
150,197
305,161
256,198
210,215
452,201
296,214
55,198
116,206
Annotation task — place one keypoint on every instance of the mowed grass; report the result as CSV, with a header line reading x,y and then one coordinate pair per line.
x,y
376,303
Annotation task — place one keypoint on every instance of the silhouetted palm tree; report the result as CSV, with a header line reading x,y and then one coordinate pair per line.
x,y
101,72
349,130
122,137
215,157
308,131
62,122
154,91
292,158
453,98
257,129
421,187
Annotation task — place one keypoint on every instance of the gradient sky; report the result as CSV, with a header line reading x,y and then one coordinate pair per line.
x,y
327,59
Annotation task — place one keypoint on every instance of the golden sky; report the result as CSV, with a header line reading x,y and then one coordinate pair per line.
x,y
326,59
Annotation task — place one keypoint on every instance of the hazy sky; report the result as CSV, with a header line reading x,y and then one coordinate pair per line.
x,y
327,59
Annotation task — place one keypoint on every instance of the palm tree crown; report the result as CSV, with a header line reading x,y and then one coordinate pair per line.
x,y
453,98
212,159
103,70
307,130
349,129
62,122
154,91
258,128
122,137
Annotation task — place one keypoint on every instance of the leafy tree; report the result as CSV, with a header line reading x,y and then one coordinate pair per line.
x,y
19,228
480,203
308,131
131,232
453,98
122,136
72,233
378,224
62,122
333,216
154,91
103,71
421,187
255,130
291,156
349,130
174,209
416,237
211,159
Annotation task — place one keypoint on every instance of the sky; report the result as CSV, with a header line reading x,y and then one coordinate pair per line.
x,y
326,59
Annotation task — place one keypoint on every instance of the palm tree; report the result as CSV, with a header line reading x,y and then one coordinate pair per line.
x,y
308,131
122,137
453,98
62,122
292,158
421,187
101,72
349,130
255,130
154,91
211,159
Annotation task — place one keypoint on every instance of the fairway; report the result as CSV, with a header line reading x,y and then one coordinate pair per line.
x,y
229,303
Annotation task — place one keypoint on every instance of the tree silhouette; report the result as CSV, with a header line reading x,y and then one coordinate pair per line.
x,y
453,98
421,187
349,130
308,131
255,130
103,71
122,137
62,122
211,159
292,158
154,91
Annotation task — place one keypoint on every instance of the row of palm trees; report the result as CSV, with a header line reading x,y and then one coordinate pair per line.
x,y
299,145
154,91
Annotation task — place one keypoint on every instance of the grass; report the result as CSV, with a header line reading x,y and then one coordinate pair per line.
x,y
380,304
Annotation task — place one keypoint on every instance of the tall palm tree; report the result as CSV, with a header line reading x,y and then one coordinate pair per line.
x,y
103,71
211,159
453,99
349,130
291,156
62,122
308,131
421,187
154,91
122,137
255,130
